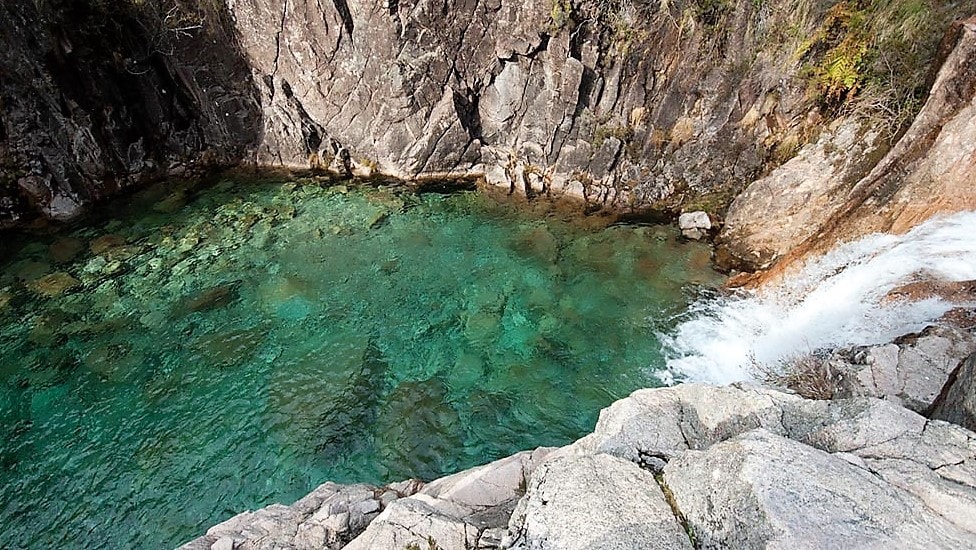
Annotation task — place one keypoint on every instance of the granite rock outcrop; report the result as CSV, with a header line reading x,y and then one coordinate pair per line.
x,y
711,467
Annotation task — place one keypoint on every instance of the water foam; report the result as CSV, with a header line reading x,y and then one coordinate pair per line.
x,y
836,300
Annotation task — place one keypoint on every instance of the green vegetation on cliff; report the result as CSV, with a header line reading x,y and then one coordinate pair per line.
x,y
875,56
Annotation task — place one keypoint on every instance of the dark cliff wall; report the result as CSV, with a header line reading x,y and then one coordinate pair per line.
x,y
97,96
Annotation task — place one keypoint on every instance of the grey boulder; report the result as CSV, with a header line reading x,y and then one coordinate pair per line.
x,y
596,502
761,490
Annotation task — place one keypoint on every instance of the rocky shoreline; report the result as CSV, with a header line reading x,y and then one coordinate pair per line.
x,y
690,466
885,460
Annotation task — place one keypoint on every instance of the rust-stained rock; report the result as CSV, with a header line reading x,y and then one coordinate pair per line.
x,y
951,291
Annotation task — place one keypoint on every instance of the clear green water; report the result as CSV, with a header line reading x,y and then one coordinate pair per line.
x,y
260,340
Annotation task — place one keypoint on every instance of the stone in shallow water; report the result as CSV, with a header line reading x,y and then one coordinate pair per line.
x,y
211,298
30,270
293,309
105,242
231,348
113,361
54,284
597,253
482,328
277,290
325,399
468,369
537,243
65,249
172,203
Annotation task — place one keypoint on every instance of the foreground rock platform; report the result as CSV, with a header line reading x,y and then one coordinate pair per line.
x,y
692,466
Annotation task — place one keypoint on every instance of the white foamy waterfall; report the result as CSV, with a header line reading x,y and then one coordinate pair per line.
x,y
836,300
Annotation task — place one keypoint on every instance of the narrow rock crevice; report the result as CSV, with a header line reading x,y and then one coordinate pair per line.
x,y
346,15
277,40
678,516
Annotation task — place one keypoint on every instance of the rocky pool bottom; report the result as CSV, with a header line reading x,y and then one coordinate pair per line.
x,y
212,350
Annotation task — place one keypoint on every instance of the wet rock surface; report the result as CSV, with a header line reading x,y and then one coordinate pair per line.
x,y
777,212
831,191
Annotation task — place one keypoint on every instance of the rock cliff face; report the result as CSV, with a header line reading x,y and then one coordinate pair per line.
x,y
623,102
99,96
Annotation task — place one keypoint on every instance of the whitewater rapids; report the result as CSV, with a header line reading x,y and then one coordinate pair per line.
x,y
833,301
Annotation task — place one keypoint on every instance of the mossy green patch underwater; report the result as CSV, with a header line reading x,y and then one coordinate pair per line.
x,y
219,350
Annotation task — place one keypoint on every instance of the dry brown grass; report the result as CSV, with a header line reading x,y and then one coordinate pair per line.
x,y
808,375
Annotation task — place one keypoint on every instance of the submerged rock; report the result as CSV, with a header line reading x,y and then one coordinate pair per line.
x,y
65,249
325,401
104,243
54,284
31,270
418,432
537,243
231,348
211,298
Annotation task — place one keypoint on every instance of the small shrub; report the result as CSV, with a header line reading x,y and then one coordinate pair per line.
x,y
561,14
809,375
874,57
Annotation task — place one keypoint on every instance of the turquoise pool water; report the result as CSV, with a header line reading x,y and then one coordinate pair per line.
x,y
213,350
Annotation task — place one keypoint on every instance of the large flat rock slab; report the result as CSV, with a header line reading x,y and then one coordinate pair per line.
x,y
596,502
760,490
